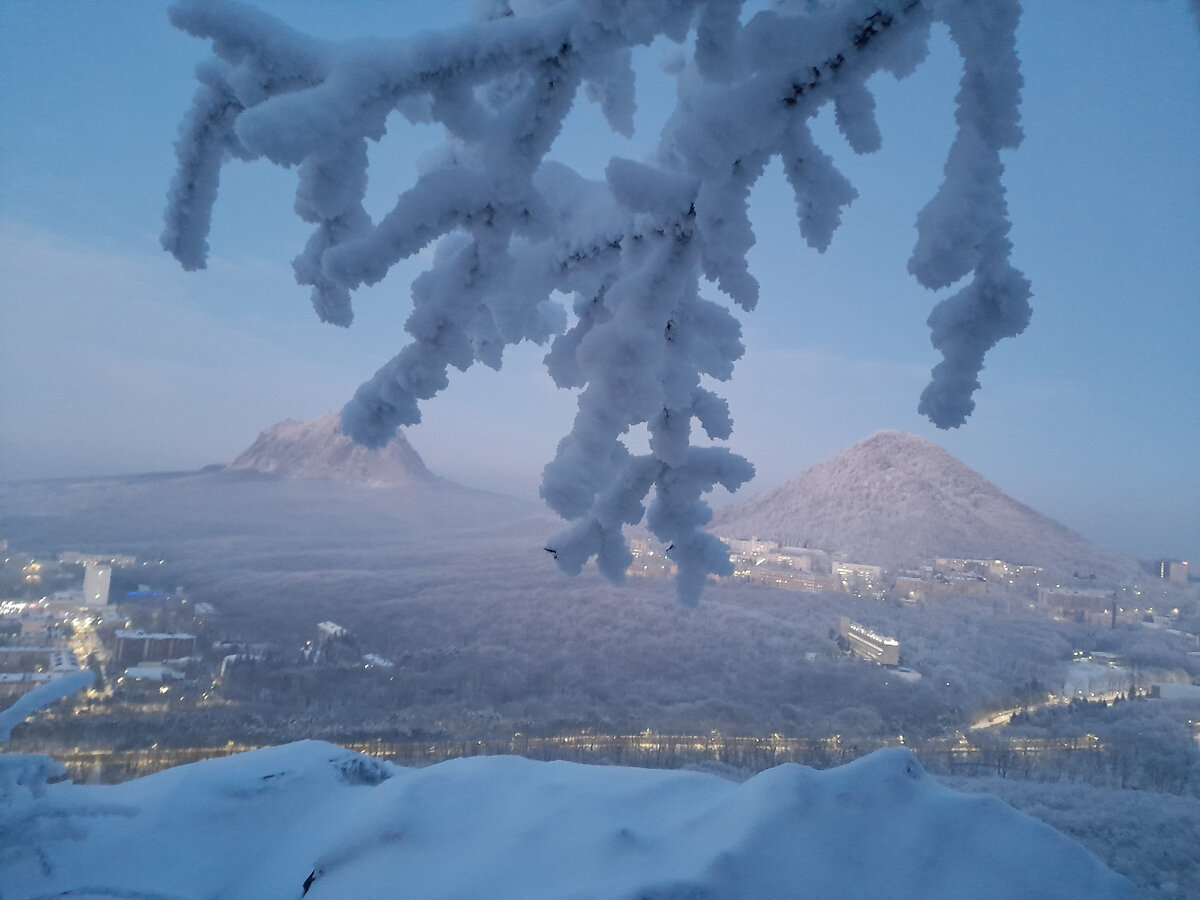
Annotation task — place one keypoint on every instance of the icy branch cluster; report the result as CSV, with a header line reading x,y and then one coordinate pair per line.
x,y
512,228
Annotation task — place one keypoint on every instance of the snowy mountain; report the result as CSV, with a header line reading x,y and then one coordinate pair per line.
x,y
896,498
317,450
313,819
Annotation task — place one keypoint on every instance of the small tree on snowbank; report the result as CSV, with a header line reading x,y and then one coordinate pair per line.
x,y
513,228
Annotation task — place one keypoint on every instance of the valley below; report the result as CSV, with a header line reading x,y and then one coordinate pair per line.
x,y
454,625
423,621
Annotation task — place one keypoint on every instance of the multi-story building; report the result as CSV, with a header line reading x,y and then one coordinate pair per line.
x,y
913,587
134,647
988,568
866,644
855,577
76,558
948,565
810,559
751,547
97,579
1089,604
785,577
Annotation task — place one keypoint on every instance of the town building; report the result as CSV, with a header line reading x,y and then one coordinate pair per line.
x,y
800,561
116,560
24,668
239,660
918,588
763,562
14,684
649,558
785,577
992,569
949,565
153,672
34,571
334,645
793,568
134,647
858,577
810,559
1089,605
330,631
24,622
751,547
97,580
1172,570
866,644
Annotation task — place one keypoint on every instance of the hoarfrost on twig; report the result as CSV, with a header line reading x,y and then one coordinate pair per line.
x,y
513,228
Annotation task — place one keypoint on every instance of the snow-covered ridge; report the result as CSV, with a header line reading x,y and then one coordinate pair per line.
x,y
318,450
262,824
895,498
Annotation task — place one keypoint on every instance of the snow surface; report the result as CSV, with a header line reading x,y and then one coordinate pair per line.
x,y
257,825
1149,837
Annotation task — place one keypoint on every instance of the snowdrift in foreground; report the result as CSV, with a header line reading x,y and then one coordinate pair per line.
x,y
257,825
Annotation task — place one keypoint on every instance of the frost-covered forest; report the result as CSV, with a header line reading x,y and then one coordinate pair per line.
x,y
485,644
446,584
636,252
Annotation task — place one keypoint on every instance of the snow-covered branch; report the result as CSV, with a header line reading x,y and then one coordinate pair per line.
x,y
512,228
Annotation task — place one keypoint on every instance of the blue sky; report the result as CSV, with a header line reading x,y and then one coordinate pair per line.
x,y
112,359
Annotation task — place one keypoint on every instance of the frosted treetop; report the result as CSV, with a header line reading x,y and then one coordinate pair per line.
x,y
513,228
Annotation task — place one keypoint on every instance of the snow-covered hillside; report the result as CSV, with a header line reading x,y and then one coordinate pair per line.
x,y
318,450
259,825
896,498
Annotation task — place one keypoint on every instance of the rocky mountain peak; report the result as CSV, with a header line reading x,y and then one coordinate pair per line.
x,y
317,450
895,499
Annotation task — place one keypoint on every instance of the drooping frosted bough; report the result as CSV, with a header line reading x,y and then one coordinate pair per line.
x,y
515,229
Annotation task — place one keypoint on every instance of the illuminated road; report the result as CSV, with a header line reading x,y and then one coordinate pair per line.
x,y
1004,716
107,765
